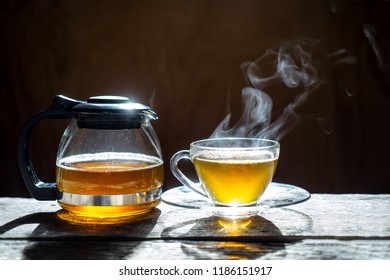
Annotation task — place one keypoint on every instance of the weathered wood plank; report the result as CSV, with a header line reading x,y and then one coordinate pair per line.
x,y
325,227
206,250
323,216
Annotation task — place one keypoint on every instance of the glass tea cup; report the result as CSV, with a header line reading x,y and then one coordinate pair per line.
x,y
233,172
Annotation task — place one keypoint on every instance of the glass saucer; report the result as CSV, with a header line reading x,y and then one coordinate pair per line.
x,y
276,195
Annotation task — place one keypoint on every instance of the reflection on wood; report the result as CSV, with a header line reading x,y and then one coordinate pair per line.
x,y
324,227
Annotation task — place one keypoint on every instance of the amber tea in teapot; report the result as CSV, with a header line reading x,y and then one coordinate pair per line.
x,y
122,175
109,161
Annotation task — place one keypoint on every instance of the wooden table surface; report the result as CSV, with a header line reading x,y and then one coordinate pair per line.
x,y
327,226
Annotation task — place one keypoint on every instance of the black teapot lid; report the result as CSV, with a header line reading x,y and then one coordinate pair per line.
x,y
108,112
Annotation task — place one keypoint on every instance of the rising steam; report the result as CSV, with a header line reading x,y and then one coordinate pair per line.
x,y
293,66
369,32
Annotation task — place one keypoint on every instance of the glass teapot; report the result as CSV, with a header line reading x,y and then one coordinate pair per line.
x,y
109,161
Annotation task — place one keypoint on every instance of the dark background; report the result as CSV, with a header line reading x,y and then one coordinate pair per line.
x,y
183,59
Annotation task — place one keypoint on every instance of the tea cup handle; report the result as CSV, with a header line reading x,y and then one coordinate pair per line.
x,y
184,154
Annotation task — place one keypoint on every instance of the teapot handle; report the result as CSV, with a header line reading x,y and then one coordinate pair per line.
x,y
58,110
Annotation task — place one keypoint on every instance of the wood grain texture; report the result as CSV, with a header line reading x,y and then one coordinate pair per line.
x,y
350,226
324,249
323,215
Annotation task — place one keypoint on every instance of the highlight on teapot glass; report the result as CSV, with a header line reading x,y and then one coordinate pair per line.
x,y
109,162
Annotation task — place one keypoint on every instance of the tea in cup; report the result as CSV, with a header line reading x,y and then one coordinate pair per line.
x,y
232,171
